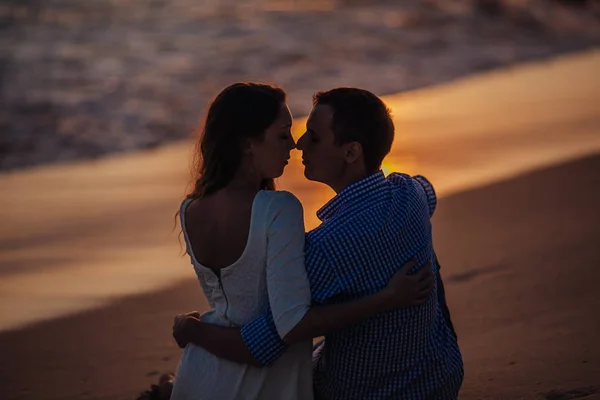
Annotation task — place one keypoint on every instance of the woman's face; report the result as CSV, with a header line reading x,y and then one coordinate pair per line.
x,y
271,155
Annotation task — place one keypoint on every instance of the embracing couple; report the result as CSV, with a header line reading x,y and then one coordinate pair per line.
x,y
367,279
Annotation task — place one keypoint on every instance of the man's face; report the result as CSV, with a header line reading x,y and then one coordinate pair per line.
x,y
323,159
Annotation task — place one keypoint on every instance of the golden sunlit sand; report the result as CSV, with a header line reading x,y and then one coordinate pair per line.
x,y
77,236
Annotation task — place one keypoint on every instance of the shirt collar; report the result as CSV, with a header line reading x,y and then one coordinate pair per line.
x,y
351,193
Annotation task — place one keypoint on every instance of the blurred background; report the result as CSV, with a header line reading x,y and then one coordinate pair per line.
x,y
81,79
497,102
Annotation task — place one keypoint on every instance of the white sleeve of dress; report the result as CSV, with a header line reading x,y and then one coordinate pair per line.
x,y
287,281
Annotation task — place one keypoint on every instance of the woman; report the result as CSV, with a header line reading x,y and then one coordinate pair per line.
x,y
246,241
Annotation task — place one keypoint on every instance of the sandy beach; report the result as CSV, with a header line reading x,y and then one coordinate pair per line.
x,y
520,260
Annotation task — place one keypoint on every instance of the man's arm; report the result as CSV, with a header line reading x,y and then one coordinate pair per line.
x,y
260,336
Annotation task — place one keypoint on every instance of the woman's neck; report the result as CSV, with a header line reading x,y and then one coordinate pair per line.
x,y
244,182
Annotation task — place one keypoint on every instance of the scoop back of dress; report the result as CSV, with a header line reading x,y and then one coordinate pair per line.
x,y
243,291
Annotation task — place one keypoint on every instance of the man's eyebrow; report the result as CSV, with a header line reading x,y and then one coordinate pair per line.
x,y
287,125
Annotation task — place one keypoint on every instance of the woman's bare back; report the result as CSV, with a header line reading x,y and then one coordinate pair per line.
x,y
218,227
260,239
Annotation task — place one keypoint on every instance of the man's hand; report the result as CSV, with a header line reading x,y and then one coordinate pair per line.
x,y
182,324
405,290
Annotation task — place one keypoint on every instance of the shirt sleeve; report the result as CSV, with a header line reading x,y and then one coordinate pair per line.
x,y
429,192
261,338
324,281
287,282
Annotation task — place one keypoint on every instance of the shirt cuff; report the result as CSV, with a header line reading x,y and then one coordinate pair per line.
x,y
262,339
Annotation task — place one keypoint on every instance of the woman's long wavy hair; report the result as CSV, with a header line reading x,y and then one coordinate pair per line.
x,y
241,111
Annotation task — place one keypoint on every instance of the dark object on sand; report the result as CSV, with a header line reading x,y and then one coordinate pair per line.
x,y
162,391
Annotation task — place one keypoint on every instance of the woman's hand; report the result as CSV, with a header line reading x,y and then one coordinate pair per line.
x,y
405,290
181,327
222,341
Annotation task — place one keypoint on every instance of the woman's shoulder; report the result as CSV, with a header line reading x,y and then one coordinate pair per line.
x,y
279,198
279,201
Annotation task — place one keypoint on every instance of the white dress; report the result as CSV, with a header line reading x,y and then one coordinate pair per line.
x,y
270,271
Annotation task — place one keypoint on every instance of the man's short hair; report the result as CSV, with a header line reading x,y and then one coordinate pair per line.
x,y
360,116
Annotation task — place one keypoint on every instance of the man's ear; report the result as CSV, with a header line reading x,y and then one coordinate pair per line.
x,y
353,152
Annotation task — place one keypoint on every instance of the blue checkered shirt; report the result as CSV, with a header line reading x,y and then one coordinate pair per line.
x,y
369,230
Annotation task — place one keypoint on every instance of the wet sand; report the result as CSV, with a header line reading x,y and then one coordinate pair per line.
x,y
520,259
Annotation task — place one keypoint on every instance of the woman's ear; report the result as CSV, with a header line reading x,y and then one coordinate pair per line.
x,y
353,152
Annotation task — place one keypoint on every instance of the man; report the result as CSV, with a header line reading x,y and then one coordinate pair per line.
x,y
370,228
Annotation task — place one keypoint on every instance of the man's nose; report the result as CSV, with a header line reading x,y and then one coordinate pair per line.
x,y
300,143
